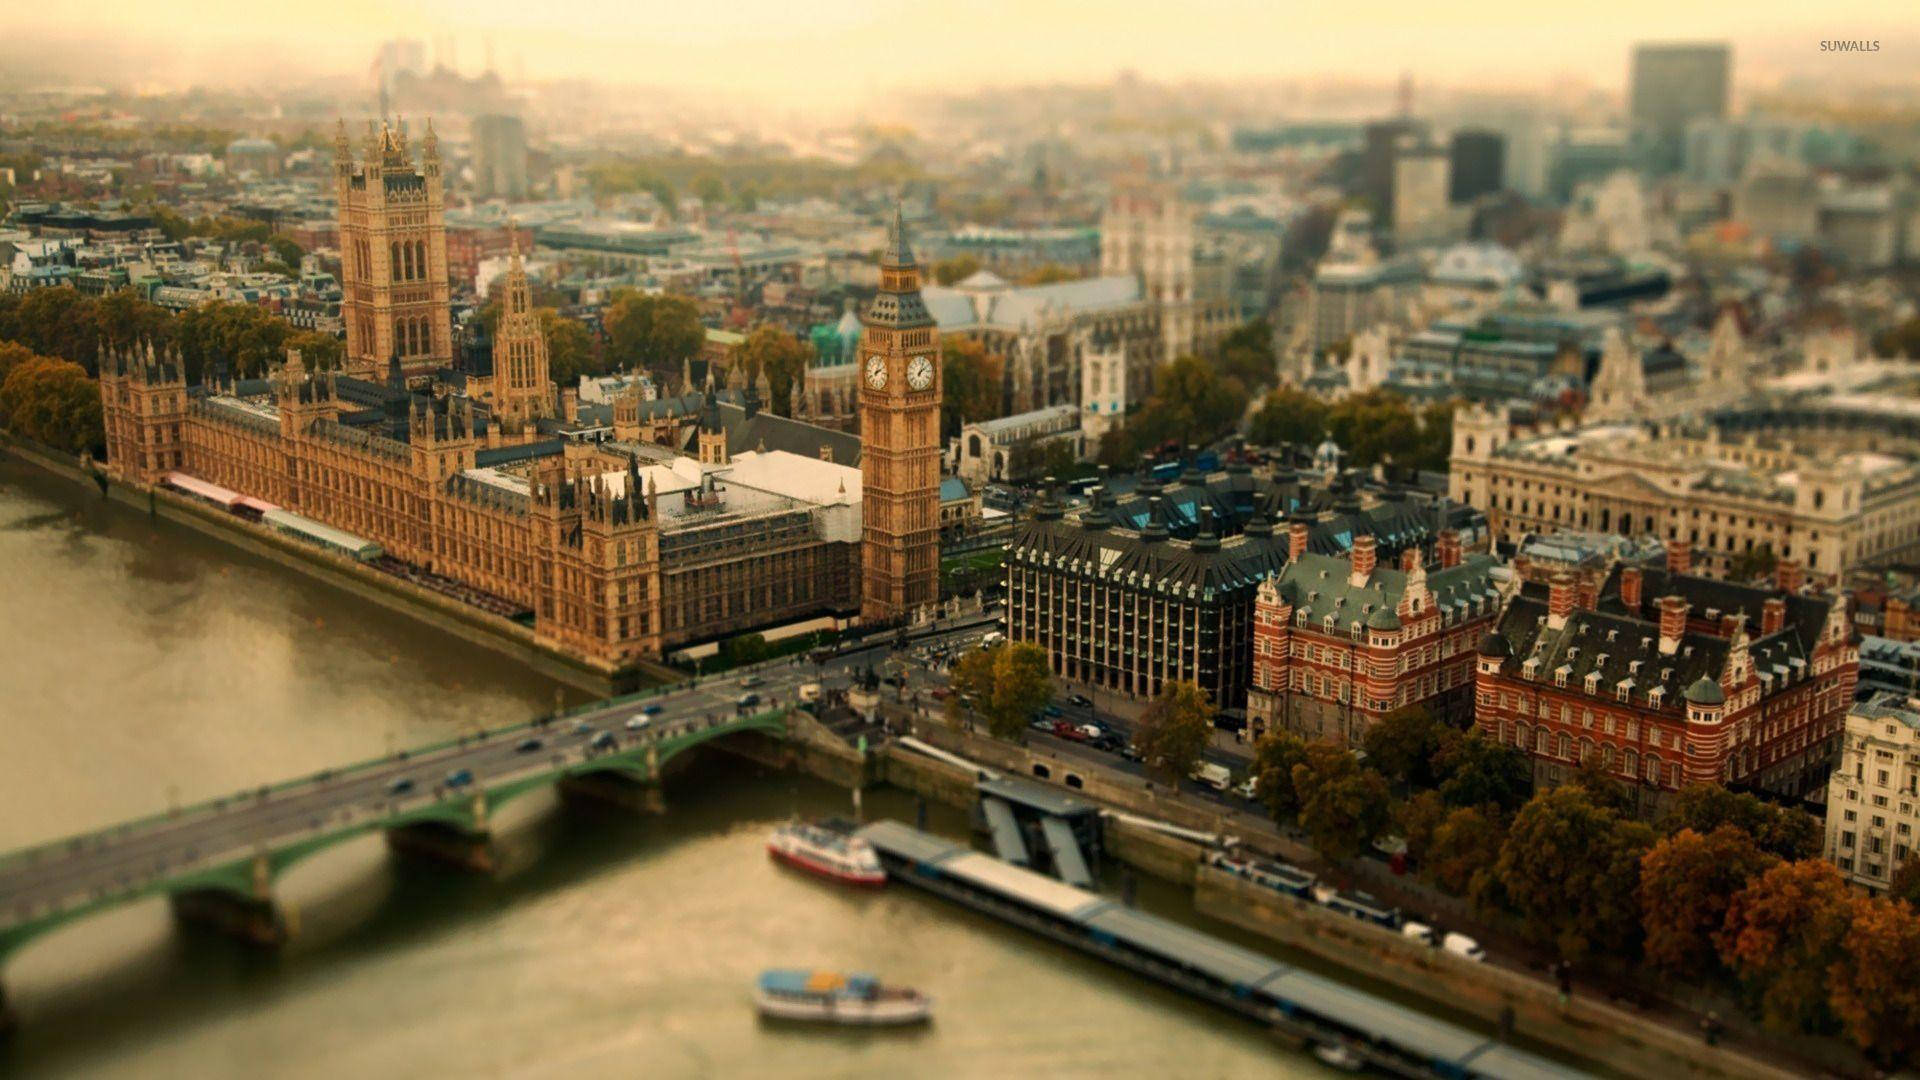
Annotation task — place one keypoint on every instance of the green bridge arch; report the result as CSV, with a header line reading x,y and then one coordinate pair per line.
x,y
251,877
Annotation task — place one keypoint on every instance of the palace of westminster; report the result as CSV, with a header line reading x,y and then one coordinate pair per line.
x,y
622,548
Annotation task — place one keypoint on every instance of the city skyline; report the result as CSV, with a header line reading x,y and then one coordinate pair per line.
x,y
769,56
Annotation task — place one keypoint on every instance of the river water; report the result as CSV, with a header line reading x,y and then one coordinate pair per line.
x,y
142,663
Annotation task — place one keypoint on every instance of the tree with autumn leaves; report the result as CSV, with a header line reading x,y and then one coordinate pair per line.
x,y
1006,684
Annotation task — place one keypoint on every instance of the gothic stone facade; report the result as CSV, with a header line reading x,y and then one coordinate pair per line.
x,y
579,543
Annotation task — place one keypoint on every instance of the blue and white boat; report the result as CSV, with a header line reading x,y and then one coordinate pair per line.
x,y
837,998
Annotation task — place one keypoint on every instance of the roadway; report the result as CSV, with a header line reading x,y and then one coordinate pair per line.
x,y
73,872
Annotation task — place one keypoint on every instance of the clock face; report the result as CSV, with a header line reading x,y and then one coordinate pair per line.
x,y
920,373
877,373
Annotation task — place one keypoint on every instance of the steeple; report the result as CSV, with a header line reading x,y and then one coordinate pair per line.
x,y
897,253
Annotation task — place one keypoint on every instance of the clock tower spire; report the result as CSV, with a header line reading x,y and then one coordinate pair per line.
x,y
900,435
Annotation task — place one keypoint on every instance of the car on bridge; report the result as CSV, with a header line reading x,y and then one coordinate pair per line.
x,y
747,701
400,785
528,746
459,778
638,723
604,741
653,709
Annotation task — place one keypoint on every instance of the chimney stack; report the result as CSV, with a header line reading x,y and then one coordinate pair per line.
x,y
1409,559
1787,576
1362,558
1673,623
1559,599
1630,589
1773,615
1679,555
1447,548
1296,539
570,405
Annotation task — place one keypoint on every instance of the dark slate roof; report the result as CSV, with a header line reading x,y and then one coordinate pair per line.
x,y
1607,644
1710,598
766,431
1240,562
1322,585
505,455
898,252
464,487
902,310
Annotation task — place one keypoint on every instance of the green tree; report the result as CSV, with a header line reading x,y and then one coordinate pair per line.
x,y
570,349
1048,274
1748,565
1569,868
1477,771
1465,847
318,350
1343,807
1189,405
250,339
655,332
969,383
1781,831
1784,934
1601,786
12,355
61,323
709,189
1174,729
1401,746
1289,417
1246,356
286,251
780,356
1007,684
1274,757
1906,880
52,401
958,268
123,318
1687,882
1873,989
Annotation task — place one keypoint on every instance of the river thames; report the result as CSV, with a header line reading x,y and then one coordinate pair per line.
x,y
144,664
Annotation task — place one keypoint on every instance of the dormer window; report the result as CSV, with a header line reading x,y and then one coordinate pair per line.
x,y
1593,682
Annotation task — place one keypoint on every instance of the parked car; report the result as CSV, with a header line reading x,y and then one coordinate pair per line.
x,y
1093,732
459,778
1420,932
1106,741
1041,723
400,785
1248,789
1462,945
1069,732
1081,700
1051,710
1131,751
1214,775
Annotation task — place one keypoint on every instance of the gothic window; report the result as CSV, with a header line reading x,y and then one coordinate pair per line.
x,y
398,265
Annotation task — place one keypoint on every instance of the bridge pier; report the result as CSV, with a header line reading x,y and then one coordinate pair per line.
x,y
257,922
444,844
616,790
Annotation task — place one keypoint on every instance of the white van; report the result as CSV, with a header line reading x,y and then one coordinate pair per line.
x,y
1418,931
1213,775
1462,945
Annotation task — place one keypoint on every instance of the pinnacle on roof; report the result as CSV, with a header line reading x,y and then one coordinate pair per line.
x,y
897,252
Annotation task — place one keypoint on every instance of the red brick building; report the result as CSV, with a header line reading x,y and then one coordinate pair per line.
x,y
1669,679
470,245
1339,642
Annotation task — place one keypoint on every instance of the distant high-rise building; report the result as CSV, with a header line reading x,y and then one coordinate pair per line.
x,y
1671,86
1381,141
1419,185
499,157
1478,161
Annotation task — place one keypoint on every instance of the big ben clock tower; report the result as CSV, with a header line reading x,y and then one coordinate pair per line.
x,y
900,435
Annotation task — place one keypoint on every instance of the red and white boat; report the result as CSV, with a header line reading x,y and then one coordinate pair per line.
x,y
829,854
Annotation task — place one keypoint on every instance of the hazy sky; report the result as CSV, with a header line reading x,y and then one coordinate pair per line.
x,y
843,50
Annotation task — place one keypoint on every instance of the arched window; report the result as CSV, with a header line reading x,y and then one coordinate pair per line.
x,y
1540,737
398,267
421,246
1566,745
973,446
